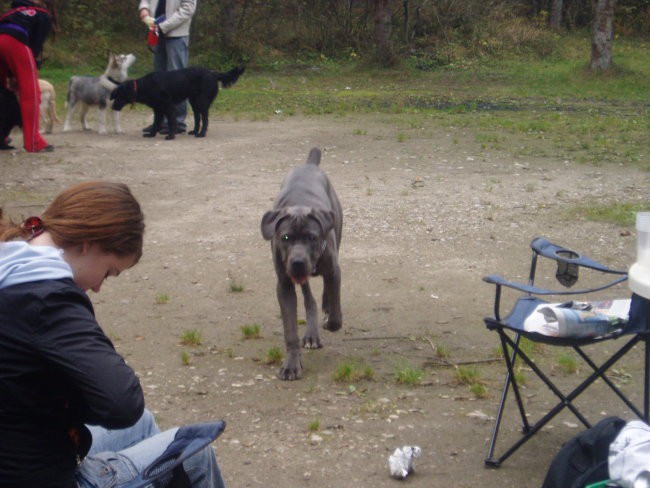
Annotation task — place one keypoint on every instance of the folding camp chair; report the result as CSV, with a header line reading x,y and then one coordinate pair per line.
x,y
167,471
511,329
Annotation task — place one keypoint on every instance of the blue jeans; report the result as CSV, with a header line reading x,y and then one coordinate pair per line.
x,y
168,55
117,456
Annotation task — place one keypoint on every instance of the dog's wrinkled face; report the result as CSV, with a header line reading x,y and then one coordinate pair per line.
x,y
299,236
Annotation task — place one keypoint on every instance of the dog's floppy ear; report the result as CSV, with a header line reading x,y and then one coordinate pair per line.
x,y
325,218
269,221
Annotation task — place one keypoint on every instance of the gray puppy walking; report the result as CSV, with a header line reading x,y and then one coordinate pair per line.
x,y
304,228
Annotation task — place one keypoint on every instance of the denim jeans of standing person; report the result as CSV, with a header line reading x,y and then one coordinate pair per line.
x,y
117,456
170,54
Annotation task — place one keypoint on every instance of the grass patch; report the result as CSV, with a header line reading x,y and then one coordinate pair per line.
x,y
530,348
408,375
520,377
185,358
236,288
479,390
471,377
274,355
191,338
351,371
567,363
161,298
251,331
313,426
467,375
442,351
619,213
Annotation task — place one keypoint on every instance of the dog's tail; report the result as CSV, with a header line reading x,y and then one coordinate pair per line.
x,y
314,157
230,78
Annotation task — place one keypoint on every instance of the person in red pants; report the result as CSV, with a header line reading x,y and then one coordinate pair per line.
x,y
23,30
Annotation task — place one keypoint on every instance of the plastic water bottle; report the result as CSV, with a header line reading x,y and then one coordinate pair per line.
x,y
639,275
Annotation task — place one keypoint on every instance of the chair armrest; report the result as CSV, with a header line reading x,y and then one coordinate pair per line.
x,y
534,290
544,247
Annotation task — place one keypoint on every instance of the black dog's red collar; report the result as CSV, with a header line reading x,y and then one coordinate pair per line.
x,y
135,90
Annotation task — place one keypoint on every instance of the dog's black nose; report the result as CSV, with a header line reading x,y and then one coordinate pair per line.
x,y
298,267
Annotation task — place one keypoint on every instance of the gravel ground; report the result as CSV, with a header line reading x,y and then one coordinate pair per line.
x,y
426,216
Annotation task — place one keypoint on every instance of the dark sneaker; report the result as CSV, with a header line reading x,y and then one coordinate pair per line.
x,y
149,128
48,148
179,130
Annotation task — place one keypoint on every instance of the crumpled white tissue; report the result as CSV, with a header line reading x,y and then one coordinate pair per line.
x,y
401,461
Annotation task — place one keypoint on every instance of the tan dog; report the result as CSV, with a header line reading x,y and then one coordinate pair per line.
x,y
48,106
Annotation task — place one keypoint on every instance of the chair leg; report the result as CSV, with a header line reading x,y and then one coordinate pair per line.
x,y
528,430
489,460
600,372
565,401
509,382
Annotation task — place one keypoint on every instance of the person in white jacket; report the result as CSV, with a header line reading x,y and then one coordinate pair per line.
x,y
172,20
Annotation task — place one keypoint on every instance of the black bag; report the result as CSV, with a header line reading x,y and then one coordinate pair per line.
x,y
583,459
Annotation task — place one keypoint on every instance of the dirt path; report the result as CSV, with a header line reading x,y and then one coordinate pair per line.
x,y
425,217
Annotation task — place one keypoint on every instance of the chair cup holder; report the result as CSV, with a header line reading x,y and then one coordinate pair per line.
x,y
567,273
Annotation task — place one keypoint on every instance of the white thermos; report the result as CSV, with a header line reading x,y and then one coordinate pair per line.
x,y
639,275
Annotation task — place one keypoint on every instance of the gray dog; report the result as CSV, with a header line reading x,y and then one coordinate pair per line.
x,y
304,228
87,91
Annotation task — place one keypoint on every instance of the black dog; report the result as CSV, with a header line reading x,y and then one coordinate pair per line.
x,y
161,90
9,116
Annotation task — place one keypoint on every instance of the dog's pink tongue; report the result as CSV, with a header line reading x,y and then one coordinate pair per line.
x,y
299,280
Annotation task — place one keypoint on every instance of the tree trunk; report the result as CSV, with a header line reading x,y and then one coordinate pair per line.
x,y
603,35
382,18
556,15
228,24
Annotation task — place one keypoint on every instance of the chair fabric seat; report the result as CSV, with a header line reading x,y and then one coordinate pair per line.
x,y
525,306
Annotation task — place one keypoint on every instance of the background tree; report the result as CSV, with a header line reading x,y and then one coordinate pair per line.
x,y
383,30
555,20
228,23
603,35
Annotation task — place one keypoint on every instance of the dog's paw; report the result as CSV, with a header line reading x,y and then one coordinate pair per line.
x,y
291,370
331,324
311,342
